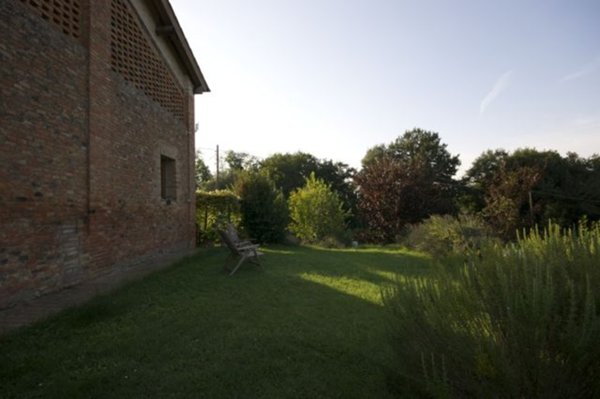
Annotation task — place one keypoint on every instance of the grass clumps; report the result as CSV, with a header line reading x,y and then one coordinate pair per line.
x,y
520,320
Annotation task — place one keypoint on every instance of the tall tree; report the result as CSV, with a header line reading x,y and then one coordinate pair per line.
x,y
478,179
289,171
241,161
425,147
203,175
405,182
373,154
516,190
382,202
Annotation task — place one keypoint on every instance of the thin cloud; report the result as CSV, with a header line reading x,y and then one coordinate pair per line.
x,y
584,70
586,122
500,85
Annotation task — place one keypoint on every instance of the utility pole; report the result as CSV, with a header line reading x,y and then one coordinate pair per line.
x,y
217,178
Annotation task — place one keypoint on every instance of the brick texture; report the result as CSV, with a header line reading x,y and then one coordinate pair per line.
x,y
80,146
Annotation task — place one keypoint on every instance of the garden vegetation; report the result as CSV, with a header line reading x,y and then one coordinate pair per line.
x,y
316,212
486,304
515,321
510,310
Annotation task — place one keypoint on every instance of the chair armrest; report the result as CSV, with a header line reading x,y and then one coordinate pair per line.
x,y
243,243
247,247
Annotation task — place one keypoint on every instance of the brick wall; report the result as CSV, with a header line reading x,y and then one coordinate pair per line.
x,y
80,145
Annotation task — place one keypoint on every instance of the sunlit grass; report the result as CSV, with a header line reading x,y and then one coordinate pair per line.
x,y
358,288
308,324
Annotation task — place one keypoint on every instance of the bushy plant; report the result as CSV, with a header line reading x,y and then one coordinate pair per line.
x,y
264,213
444,235
521,321
316,211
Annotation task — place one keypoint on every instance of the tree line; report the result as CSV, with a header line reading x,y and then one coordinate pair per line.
x,y
403,183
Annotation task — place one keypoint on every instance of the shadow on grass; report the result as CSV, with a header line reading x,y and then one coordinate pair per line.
x,y
370,264
306,325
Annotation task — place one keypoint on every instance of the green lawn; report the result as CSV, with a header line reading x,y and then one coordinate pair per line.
x,y
310,324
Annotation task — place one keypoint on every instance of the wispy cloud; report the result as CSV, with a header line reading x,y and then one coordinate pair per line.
x,y
584,70
589,121
500,85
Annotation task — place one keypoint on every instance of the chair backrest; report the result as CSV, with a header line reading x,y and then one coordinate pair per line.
x,y
232,233
229,242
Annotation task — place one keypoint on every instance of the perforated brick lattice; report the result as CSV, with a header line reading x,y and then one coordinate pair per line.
x,y
139,63
66,14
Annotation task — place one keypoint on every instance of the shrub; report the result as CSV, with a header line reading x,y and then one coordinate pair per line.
x,y
522,321
316,211
443,235
264,214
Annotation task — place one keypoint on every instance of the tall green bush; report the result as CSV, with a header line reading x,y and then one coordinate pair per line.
x,y
264,213
316,211
521,321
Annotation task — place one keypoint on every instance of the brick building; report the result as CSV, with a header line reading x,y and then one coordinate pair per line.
x,y
96,141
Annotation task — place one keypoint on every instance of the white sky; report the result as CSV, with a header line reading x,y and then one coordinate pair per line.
x,y
336,77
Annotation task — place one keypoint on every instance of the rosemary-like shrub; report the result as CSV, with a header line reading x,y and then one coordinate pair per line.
x,y
518,321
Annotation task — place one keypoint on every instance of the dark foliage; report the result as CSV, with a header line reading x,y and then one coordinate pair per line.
x,y
263,208
528,187
405,182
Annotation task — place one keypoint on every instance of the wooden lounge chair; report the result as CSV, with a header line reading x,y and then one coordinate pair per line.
x,y
244,252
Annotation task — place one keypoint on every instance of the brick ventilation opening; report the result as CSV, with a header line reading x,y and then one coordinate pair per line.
x,y
139,63
66,14
168,186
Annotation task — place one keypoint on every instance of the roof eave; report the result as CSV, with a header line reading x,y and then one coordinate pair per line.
x,y
179,42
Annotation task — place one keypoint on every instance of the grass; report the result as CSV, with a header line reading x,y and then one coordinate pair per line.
x,y
310,324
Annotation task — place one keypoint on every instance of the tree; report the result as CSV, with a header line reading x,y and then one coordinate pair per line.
x,y
479,177
203,174
340,178
316,211
373,154
380,200
507,208
426,148
288,171
517,190
241,161
486,167
405,182
263,208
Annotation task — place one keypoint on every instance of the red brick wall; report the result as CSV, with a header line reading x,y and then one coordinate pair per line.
x,y
80,148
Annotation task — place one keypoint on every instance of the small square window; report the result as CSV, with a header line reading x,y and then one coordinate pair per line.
x,y
168,186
